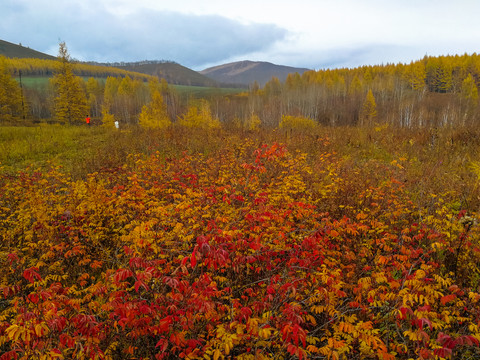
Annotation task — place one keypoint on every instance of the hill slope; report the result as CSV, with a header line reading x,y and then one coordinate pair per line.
x,y
17,51
246,72
172,72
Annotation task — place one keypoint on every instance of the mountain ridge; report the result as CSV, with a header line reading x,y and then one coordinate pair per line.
x,y
172,72
246,72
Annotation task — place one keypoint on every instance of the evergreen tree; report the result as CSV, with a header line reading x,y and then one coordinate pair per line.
x,y
10,95
70,103
438,74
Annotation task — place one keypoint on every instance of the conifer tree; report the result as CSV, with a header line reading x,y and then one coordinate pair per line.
x,y
355,86
415,75
154,115
70,103
108,119
469,89
367,76
10,95
369,109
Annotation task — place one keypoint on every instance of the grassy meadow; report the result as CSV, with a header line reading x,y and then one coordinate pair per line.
x,y
40,83
443,161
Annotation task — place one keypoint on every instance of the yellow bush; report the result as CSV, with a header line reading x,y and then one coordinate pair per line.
x,y
199,116
154,115
252,123
108,119
296,123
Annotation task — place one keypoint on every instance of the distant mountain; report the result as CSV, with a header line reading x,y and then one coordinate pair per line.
x,y
18,51
246,72
172,72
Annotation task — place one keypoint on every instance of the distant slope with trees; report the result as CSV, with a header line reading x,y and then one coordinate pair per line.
x,y
172,72
430,92
247,72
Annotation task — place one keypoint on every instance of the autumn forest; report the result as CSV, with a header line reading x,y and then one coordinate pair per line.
x,y
330,216
432,92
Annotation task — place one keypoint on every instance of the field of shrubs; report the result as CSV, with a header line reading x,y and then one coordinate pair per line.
x,y
342,243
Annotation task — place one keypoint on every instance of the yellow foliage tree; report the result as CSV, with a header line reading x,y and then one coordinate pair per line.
x,y
108,119
252,123
199,116
10,95
369,110
469,89
109,98
70,102
415,75
355,86
154,115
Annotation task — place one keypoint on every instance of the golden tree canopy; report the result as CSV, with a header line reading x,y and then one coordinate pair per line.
x,y
70,102
369,110
154,115
10,95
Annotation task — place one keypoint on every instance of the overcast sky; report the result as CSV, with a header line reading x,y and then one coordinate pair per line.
x,y
201,33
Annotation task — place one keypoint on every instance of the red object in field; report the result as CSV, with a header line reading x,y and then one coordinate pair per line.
x,y
87,119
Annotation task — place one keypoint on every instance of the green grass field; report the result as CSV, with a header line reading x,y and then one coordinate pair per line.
x,y
34,82
41,83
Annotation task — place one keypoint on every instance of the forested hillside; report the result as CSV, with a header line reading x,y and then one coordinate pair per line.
x,y
46,67
434,91
247,72
172,72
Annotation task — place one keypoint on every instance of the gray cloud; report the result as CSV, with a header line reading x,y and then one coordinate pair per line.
x,y
95,33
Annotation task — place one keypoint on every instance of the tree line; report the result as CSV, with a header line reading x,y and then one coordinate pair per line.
x,y
434,91
431,92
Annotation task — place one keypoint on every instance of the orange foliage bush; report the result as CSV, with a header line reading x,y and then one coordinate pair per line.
x,y
250,253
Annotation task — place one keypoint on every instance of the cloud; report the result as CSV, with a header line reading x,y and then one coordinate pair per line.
x,y
94,32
